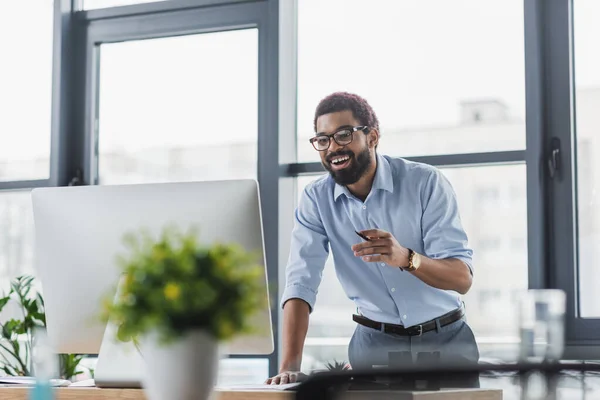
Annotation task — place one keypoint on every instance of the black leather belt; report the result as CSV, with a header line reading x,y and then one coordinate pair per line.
x,y
416,330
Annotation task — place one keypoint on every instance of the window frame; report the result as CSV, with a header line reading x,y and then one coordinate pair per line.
x,y
550,109
173,18
582,334
61,158
291,169
549,101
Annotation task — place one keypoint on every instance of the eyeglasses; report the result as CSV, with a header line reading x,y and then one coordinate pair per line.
x,y
343,137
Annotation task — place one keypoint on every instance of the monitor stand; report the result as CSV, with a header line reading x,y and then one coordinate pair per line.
x,y
119,363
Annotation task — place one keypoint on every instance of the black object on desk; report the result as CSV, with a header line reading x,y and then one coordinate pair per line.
x,y
327,385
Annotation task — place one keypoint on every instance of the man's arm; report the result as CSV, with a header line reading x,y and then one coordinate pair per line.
x,y
446,263
449,274
446,274
295,326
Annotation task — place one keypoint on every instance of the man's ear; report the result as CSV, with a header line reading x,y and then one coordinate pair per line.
x,y
373,137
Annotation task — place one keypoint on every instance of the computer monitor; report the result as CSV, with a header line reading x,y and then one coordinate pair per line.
x,y
79,232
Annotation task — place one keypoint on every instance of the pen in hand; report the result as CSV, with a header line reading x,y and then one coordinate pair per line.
x,y
362,236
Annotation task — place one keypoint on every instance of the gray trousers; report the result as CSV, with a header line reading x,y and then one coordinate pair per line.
x,y
455,343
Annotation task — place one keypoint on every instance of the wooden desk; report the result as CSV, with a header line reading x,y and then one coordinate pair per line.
x,y
7,393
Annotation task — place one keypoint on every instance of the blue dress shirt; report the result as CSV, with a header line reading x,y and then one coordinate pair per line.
x,y
415,203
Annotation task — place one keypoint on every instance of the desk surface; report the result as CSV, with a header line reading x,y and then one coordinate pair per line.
x,y
7,393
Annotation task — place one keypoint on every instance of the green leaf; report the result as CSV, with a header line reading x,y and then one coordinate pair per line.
x,y
16,347
8,370
40,300
175,284
69,364
3,302
9,329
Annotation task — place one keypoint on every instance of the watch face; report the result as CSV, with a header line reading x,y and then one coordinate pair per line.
x,y
417,260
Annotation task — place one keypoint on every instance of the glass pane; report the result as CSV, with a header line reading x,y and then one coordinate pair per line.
x,y
493,206
25,89
243,371
95,4
456,92
587,84
166,114
16,236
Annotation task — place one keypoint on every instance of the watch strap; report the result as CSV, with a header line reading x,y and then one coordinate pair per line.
x,y
410,266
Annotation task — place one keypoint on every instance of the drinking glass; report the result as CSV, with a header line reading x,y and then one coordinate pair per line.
x,y
541,325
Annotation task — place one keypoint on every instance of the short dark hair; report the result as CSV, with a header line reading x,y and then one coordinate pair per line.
x,y
343,101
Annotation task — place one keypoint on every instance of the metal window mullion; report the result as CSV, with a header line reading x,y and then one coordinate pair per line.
x,y
558,124
65,142
22,185
288,109
268,149
194,21
442,160
537,237
152,8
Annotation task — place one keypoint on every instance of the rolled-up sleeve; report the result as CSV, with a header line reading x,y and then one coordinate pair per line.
x,y
308,252
443,233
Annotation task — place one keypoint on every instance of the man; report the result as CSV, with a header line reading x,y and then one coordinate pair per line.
x,y
399,248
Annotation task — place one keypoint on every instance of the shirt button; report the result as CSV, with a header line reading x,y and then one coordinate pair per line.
x,y
383,264
364,207
393,289
404,316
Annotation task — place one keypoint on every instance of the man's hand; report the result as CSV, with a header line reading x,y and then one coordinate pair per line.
x,y
286,377
382,246
445,274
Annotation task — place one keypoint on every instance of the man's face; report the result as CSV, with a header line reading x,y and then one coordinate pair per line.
x,y
358,152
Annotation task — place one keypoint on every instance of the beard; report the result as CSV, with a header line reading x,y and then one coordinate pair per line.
x,y
353,172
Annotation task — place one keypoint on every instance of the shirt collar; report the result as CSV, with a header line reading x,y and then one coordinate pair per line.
x,y
383,179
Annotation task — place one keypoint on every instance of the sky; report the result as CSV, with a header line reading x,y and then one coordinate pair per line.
x,y
414,61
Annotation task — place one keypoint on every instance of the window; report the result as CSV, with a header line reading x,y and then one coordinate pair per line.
x,y
488,195
242,371
16,240
587,92
497,274
436,100
168,115
439,98
489,244
518,243
458,92
518,191
25,89
95,4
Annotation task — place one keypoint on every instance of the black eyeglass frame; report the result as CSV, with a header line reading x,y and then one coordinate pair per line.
x,y
353,129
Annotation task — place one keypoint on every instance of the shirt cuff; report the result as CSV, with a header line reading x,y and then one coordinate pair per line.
x,y
297,291
467,261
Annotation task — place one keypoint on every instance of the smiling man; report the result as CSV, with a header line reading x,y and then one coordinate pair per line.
x,y
399,249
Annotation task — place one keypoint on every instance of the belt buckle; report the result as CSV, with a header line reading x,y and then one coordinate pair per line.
x,y
420,330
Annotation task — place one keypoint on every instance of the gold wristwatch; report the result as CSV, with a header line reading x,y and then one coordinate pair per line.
x,y
414,261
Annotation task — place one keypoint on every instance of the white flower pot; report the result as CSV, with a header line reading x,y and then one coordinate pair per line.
x,y
185,369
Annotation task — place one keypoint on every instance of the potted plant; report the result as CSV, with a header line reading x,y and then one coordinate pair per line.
x,y
17,334
338,366
178,300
